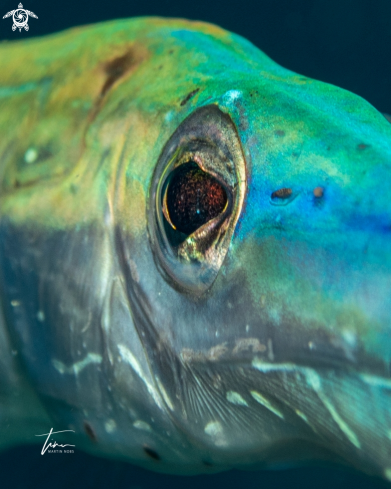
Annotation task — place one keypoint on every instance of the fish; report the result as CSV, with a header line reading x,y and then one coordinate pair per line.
x,y
195,253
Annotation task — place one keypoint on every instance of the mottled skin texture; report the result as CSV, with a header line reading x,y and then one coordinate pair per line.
x,y
264,339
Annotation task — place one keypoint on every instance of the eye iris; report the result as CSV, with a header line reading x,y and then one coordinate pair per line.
x,y
194,198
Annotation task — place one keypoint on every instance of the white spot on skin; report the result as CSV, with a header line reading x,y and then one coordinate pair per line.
x,y
301,415
215,431
236,398
253,344
231,96
213,428
187,354
265,403
15,303
169,116
265,367
350,337
262,366
142,425
313,380
134,271
77,367
87,325
304,418
30,156
387,473
41,316
164,394
216,352
247,328
110,426
127,356
376,381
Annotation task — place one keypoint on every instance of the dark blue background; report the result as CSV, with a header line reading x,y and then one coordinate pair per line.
x,y
344,42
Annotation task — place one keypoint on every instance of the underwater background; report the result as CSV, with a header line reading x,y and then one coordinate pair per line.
x,y
344,42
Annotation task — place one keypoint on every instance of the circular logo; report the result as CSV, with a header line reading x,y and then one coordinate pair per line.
x,y
20,18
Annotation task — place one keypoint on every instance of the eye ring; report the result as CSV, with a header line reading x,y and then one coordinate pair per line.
x,y
203,153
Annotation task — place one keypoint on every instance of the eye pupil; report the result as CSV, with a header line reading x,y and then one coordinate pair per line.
x,y
193,198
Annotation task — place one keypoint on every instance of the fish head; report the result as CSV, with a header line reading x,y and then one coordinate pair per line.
x,y
211,289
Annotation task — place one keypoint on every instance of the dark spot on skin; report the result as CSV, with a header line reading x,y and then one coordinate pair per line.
x,y
318,192
295,155
89,431
279,133
208,464
189,96
170,51
282,193
388,117
115,69
73,188
151,453
362,146
328,148
160,67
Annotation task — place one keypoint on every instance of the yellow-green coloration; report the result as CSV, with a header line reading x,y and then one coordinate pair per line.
x,y
263,337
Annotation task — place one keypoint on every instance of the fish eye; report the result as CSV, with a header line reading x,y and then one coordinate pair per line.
x,y
192,198
196,197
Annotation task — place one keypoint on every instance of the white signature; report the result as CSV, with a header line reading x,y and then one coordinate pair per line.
x,y
47,445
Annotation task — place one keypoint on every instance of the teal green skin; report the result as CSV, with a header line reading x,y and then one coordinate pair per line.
x,y
262,339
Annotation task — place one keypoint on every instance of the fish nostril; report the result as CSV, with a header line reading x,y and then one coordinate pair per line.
x,y
283,196
362,146
282,193
318,192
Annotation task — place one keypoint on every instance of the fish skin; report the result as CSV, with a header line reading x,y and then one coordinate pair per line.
x,y
274,345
